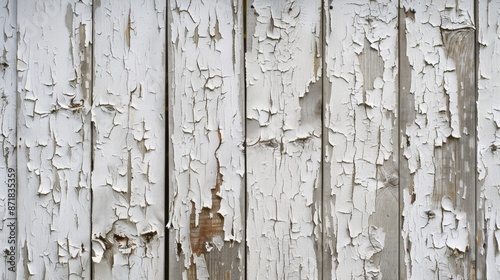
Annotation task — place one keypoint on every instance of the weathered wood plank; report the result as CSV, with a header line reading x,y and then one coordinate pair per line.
x,y
8,157
488,141
207,132
437,165
407,115
458,156
361,140
128,116
284,98
54,73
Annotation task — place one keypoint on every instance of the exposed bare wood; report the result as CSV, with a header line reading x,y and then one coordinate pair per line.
x,y
128,116
361,146
355,139
407,115
206,101
284,100
438,139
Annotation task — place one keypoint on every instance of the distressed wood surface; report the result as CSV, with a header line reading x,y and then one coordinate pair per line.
x,y
207,166
437,170
54,76
283,116
8,125
406,108
307,139
488,141
361,143
128,117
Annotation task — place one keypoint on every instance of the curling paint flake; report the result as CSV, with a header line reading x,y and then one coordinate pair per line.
x,y
436,231
488,146
207,135
128,117
54,64
8,96
360,123
283,66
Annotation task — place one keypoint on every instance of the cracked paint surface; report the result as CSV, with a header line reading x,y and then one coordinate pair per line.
x,y
53,64
8,75
128,118
207,133
360,152
283,65
488,130
97,118
437,230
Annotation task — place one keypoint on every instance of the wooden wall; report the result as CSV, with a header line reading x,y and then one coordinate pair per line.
x,y
257,139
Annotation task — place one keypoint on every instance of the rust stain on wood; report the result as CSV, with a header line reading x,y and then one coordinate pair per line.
x,y
209,226
210,222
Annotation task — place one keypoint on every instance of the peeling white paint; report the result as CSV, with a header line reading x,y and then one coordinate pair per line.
x,y
128,116
360,122
283,139
61,102
54,79
8,159
488,145
436,231
207,130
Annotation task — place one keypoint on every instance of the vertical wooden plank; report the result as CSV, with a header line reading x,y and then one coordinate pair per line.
x,y
128,114
8,158
284,98
438,140
488,145
361,140
206,132
458,156
54,83
407,115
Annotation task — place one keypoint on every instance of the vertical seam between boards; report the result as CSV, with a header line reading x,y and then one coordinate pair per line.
x,y
323,130
243,89
398,115
91,102
476,95
166,246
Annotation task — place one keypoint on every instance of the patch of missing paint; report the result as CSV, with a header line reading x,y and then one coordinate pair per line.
x,y
283,139
436,227
54,169
206,136
206,226
128,130
361,156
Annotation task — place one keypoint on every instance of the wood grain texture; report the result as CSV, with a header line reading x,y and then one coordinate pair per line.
x,y
457,156
54,83
407,115
342,139
283,116
488,141
206,129
8,127
361,143
128,116
437,166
